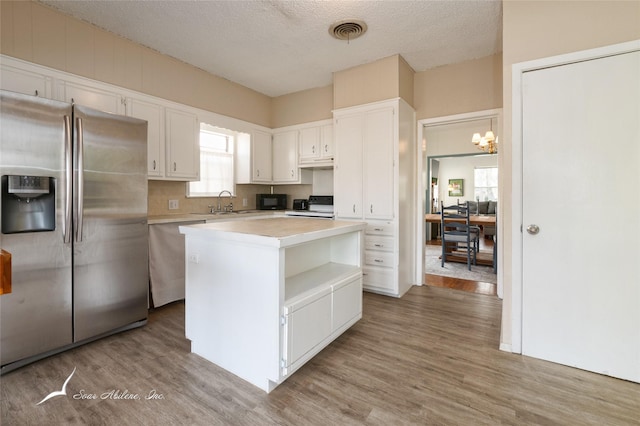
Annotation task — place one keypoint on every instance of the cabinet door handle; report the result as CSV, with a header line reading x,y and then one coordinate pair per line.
x,y
326,148
378,260
371,208
291,173
354,208
378,229
379,245
313,149
175,166
37,94
258,173
154,164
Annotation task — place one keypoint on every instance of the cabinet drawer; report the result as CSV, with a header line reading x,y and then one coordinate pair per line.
x,y
379,258
382,278
379,228
373,242
347,302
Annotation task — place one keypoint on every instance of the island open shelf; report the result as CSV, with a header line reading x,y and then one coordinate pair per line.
x,y
264,296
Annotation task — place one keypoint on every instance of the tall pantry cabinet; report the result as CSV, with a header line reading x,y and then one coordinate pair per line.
x,y
375,181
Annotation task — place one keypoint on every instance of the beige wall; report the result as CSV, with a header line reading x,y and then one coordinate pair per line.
x,y
469,86
302,107
41,35
538,29
406,76
384,79
367,83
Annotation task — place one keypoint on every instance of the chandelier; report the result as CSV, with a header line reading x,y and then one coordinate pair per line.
x,y
487,143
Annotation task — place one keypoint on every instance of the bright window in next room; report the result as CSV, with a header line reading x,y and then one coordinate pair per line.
x,y
485,180
216,162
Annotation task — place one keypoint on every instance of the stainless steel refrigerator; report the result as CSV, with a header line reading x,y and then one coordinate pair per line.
x,y
74,218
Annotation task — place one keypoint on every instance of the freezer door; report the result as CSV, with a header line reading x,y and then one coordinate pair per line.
x,y
111,274
36,316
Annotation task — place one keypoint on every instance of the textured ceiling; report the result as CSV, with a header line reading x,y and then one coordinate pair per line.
x,y
277,47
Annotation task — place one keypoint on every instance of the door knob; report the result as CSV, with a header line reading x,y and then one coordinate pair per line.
x,y
533,229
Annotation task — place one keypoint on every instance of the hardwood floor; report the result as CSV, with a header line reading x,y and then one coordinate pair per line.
x,y
463,284
428,358
479,287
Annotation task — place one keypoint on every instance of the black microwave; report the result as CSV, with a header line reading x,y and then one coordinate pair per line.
x,y
271,201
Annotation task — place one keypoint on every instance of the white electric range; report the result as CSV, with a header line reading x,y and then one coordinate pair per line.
x,y
319,206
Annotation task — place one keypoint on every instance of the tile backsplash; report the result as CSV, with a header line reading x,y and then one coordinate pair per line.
x,y
160,192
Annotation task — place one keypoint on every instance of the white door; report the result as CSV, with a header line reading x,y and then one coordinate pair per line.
x,y
581,188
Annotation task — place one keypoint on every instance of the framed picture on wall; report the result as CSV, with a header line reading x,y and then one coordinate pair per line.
x,y
455,188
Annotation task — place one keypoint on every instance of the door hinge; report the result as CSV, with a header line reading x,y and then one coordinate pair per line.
x,y
283,320
283,363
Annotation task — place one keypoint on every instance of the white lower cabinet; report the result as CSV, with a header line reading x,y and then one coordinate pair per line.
x,y
314,320
307,323
380,257
346,302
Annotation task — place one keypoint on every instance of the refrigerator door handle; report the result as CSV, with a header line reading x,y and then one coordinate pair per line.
x,y
80,182
68,164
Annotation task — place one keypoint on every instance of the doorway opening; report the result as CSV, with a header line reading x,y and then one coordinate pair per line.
x,y
446,154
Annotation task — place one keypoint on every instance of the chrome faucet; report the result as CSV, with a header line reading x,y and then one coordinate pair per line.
x,y
228,207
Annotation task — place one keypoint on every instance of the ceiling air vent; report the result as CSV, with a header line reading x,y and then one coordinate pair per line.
x,y
348,30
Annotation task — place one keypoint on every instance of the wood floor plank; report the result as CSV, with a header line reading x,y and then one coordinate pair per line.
x,y
430,357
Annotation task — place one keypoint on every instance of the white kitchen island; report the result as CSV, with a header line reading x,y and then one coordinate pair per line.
x,y
264,296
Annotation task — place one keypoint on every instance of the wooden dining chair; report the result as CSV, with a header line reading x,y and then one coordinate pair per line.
x,y
473,209
457,232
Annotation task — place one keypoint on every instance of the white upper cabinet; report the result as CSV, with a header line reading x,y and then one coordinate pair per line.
x,y
153,113
182,144
348,177
309,144
25,81
364,165
316,146
285,157
91,95
253,157
261,157
378,162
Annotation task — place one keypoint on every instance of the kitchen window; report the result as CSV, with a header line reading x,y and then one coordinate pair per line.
x,y
216,163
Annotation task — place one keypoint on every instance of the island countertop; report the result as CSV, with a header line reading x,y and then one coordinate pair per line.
x,y
274,232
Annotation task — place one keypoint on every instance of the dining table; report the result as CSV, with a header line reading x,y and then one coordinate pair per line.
x,y
487,220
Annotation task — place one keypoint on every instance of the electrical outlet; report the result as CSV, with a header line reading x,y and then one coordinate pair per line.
x,y
244,202
173,205
194,258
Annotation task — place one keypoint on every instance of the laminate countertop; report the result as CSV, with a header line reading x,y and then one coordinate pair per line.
x,y
275,231
190,217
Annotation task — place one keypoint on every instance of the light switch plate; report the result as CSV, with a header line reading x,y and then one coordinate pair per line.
x,y
173,204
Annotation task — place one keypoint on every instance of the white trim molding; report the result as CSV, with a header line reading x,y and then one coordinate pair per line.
x,y
420,197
